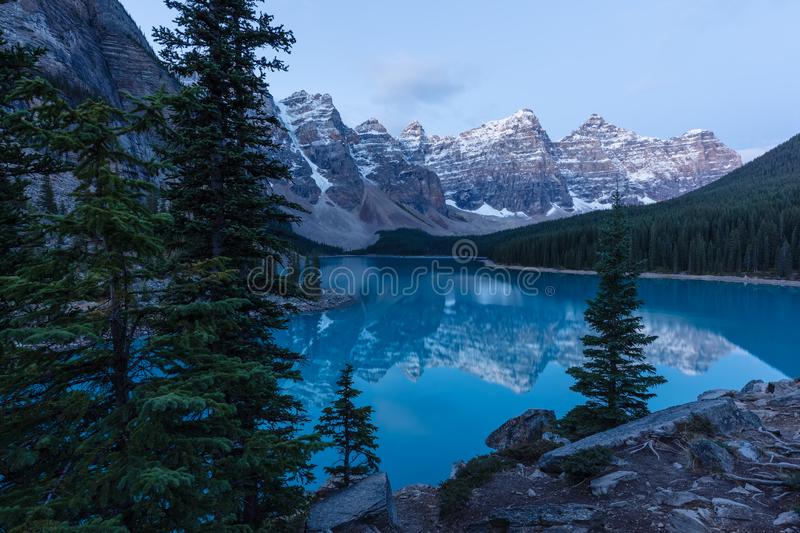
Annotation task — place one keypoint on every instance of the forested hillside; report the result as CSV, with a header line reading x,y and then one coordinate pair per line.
x,y
748,222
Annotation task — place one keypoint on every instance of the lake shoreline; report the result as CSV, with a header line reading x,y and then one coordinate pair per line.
x,y
658,275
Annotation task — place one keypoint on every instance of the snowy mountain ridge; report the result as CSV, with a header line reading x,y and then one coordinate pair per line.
x,y
355,182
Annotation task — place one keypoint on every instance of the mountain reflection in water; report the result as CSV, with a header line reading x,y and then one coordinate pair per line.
x,y
471,340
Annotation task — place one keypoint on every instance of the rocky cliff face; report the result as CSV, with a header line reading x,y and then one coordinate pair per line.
x,y
512,166
598,156
506,164
94,49
356,182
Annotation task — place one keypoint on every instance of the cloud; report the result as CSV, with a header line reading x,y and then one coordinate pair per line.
x,y
404,80
748,154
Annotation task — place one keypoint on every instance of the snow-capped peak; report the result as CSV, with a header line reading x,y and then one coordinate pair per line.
x,y
371,126
413,130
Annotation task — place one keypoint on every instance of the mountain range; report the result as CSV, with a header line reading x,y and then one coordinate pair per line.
x,y
354,182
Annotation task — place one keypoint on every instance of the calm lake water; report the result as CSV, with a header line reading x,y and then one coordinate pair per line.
x,y
446,352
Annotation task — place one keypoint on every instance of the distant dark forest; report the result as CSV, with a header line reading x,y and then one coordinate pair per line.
x,y
748,222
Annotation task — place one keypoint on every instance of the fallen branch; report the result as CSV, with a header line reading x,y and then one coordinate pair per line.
x,y
788,466
754,480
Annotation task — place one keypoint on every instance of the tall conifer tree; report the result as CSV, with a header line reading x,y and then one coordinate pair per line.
x,y
238,456
615,377
70,358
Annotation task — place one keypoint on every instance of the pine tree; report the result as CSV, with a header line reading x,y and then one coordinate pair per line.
x,y
47,197
350,431
71,362
615,376
241,460
17,161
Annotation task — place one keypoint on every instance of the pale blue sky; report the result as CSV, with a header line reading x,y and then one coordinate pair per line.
x,y
659,68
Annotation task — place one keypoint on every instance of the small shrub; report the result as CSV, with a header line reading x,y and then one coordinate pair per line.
x,y
529,454
587,463
583,421
698,425
454,493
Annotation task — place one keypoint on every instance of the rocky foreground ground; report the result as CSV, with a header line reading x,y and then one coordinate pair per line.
x,y
729,462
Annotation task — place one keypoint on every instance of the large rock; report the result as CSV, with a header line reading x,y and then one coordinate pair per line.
x,y
789,518
723,414
783,386
755,386
732,510
710,456
680,498
605,484
368,503
715,394
686,521
521,430
572,515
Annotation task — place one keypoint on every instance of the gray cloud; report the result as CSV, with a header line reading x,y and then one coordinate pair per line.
x,y
405,80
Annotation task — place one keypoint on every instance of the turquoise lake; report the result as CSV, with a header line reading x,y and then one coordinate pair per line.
x,y
445,352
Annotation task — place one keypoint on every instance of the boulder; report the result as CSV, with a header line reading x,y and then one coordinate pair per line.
x,y
710,456
542,515
680,498
723,414
783,386
716,394
755,386
524,429
368,503
607,483
789,518
785,400
732,510
556,439
686,521
745,449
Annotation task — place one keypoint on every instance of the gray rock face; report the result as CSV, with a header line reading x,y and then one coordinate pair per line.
x,y
511,164
598,155
368,503
722,413
505,164
710,456
521,430
317,128
381,159
94,49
